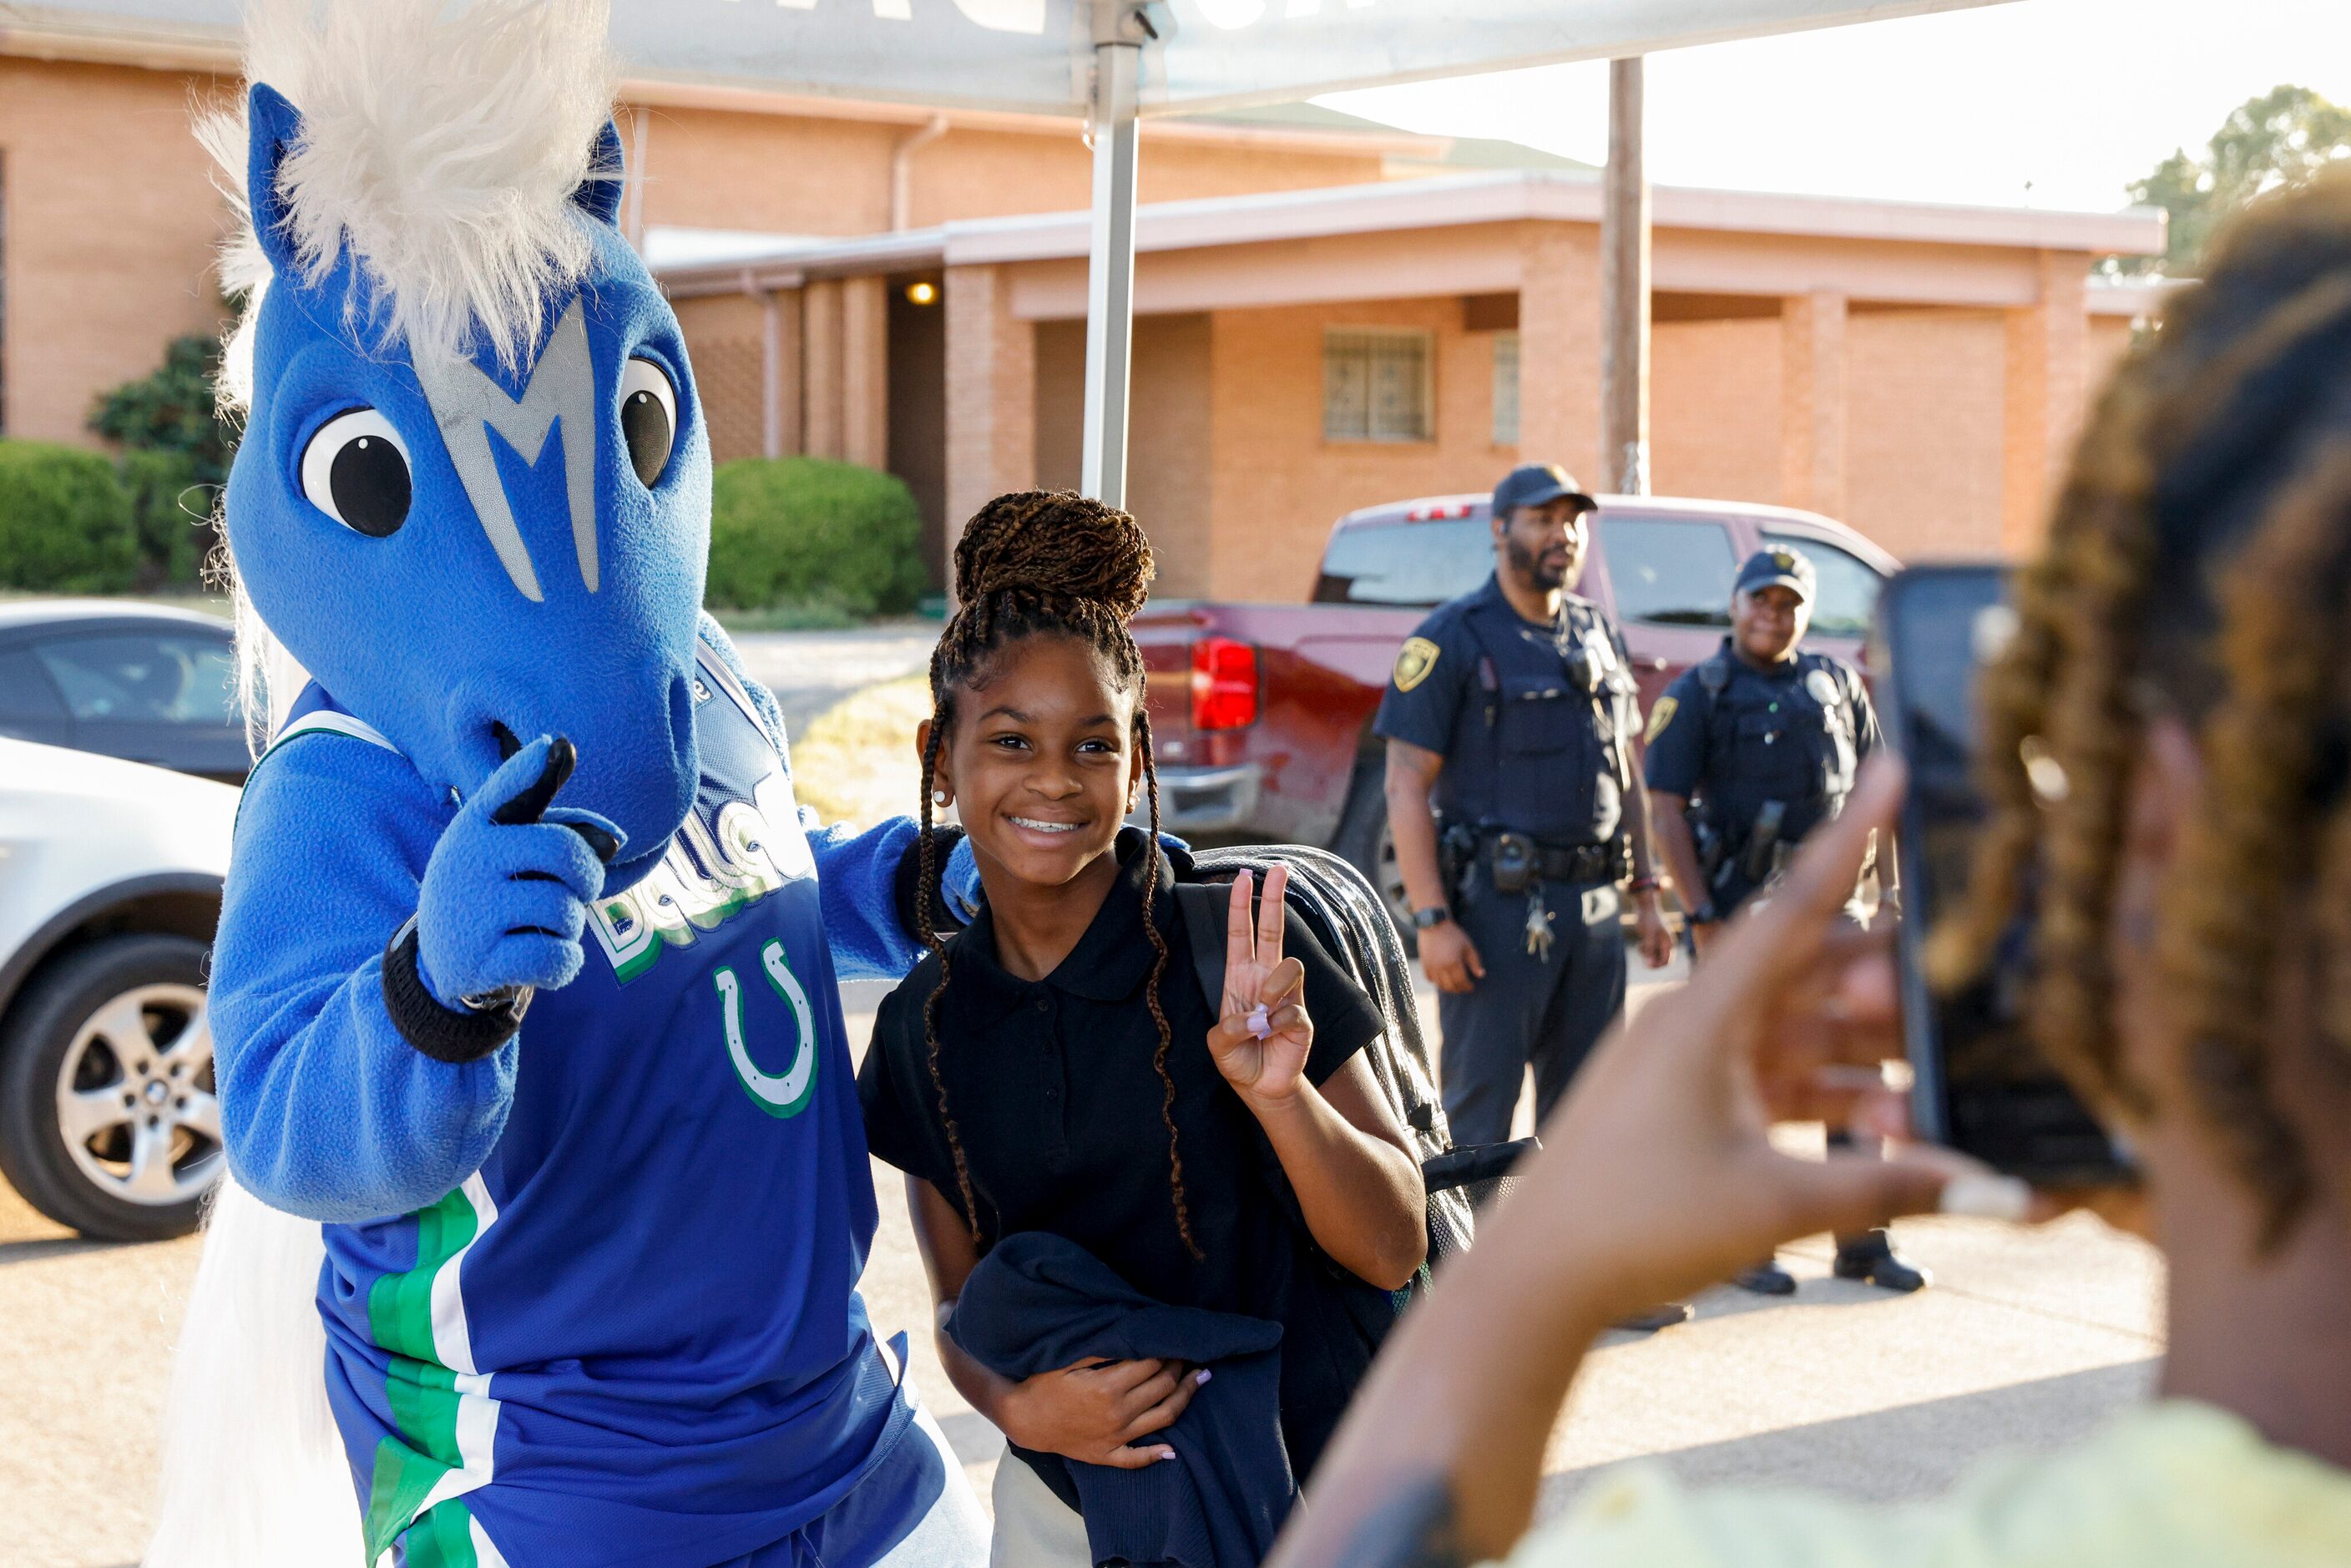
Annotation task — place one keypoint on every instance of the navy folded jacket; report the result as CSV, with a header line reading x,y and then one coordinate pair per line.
x,y
1038,1303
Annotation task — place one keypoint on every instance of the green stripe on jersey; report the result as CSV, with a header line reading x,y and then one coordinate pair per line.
x,y
444,1538
403,1479
400,1306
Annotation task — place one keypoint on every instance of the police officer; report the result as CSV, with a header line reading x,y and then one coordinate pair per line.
x,y
1508,725
1748,752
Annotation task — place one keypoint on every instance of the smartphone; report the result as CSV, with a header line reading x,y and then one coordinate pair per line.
x,y
1979,1084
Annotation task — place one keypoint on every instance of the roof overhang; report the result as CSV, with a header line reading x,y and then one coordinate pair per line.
x,y
1436,203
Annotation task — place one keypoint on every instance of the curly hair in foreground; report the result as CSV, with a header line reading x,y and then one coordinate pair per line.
x,y
2198,565
1052,564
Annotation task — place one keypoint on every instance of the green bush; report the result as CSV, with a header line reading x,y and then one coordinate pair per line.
x,y
171,409
65,521
171,514
806,530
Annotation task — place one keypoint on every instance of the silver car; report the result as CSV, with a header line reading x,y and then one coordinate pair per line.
x,y
110,875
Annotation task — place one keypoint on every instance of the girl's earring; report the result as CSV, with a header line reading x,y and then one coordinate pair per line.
x,y
938,796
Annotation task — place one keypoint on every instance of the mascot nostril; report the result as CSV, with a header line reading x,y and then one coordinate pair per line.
x,y
523,1078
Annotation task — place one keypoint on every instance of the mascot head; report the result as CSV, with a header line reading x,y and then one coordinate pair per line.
x,y
473,495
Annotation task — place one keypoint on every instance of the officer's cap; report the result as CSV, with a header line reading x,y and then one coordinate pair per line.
x,y
1535,484
1777,565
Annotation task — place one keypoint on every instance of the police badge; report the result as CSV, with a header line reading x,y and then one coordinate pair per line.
x,y
1824,688
1414,661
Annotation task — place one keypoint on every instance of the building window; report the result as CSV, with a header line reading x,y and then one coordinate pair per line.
x,y
1374,384
1505,389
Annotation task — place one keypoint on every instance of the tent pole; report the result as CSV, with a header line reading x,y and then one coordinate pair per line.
x,y
1625,290
1119,32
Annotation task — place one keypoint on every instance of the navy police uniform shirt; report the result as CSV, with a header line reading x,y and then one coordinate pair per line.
x,y
1731,742
1532,721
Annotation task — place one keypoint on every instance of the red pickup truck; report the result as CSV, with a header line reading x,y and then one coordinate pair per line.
x,y
1261,713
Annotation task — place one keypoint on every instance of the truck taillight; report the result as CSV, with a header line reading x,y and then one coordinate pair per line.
x,y
1224,683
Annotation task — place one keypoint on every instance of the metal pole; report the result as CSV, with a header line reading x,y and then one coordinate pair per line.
x,y
1625,290
1120,30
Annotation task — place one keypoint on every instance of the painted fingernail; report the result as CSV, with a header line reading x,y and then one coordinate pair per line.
x,y
1202,1375
1258,1025
1167,1453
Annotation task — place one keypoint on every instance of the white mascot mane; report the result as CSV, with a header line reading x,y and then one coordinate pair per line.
x,y
441,145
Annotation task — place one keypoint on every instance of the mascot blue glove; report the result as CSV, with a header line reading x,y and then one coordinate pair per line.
x,y
546,1032
506,892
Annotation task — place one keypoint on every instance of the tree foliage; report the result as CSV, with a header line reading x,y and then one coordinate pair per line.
x,y
176,450
171,410
2280,138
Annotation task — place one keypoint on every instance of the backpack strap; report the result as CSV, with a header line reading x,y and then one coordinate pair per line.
x,y
1198,904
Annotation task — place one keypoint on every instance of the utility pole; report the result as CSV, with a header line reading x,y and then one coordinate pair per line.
x,y
1121,28
1625,290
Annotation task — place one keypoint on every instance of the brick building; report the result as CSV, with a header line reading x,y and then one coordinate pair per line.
x,y
1917,371
1330,313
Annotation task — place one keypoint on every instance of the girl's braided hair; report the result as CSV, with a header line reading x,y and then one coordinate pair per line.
x,y
1044,563
2197,563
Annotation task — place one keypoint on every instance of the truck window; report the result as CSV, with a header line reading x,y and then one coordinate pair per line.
x,y
1407,563
1669,571
1849,585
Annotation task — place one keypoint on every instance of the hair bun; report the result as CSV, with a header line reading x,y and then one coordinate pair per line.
x,y
1055,543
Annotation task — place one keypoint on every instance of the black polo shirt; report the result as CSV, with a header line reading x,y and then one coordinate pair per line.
x,y
1051,1087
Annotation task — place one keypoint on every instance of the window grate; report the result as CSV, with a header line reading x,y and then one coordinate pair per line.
x,y
1375,384
1505,389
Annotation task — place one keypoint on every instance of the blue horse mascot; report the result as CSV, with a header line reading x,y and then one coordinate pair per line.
x,y
525,986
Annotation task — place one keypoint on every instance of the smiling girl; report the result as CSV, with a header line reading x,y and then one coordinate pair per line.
x,y
1056,1068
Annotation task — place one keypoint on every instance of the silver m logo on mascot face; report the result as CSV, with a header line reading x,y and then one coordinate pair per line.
x,y
468,406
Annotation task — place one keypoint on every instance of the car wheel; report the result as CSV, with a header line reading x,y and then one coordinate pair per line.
x,y
1365,843
109,1121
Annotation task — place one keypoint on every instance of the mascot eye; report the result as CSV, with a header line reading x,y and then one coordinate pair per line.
x,y
356,471
647,418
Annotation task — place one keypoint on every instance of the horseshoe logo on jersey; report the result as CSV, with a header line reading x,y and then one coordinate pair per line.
x,y
784,1094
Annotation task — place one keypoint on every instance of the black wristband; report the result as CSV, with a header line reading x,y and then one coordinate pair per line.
x,y
945,837
444,1033
1705,915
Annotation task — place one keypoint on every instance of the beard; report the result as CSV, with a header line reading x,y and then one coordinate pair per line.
x,y
1546,571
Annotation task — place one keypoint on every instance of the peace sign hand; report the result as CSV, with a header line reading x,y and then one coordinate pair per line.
x,y
1262,1034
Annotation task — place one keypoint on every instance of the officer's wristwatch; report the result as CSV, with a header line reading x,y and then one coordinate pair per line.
x,y
1434,915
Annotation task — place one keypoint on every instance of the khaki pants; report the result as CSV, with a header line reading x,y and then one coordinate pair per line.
x,y
1034,1529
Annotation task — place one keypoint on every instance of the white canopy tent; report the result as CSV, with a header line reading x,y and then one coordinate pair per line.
x,y
1110,62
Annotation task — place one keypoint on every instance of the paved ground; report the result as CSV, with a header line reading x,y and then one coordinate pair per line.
x,y
2027,1338
810,671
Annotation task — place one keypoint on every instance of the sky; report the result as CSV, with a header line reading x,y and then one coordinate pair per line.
x,y
2043,103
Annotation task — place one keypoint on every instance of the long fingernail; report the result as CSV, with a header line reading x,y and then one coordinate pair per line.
x,y
1167,1453
1202,1375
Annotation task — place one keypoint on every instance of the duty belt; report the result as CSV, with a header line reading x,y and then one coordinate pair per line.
x,y
1520,853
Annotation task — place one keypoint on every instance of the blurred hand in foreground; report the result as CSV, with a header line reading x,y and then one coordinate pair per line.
x,y
1658,1177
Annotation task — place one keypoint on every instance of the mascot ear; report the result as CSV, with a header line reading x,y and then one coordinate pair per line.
x,y
273,125
599,193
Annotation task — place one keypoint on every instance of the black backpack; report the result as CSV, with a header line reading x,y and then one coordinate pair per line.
x,y
1347,917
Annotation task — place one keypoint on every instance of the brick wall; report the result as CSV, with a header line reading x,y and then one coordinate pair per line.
x,y
726,336
1714,409
1277,485
1923,475
112,221
722,169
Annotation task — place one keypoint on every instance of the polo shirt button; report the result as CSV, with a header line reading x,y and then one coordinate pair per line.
x,y
1044,1004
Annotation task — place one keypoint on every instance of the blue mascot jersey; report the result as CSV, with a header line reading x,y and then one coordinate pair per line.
x,y
634,1336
